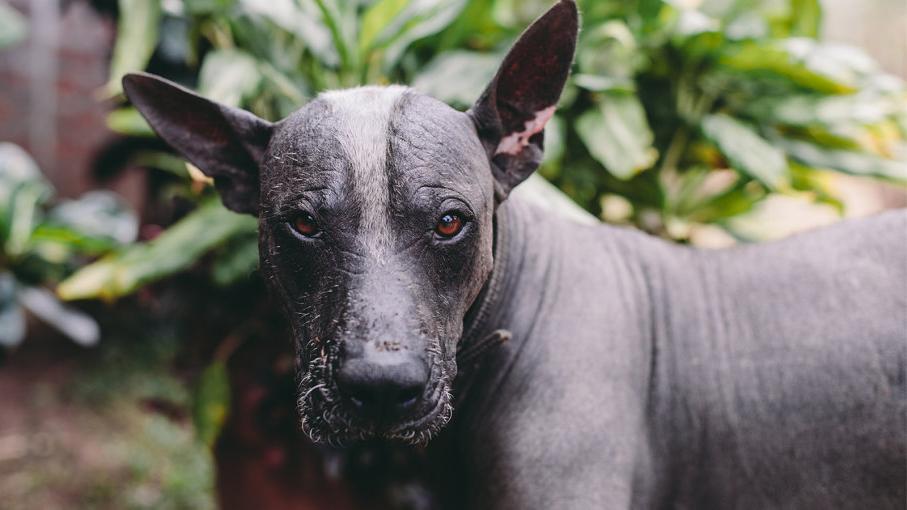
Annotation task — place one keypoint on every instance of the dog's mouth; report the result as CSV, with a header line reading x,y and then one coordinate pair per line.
x,y
327,416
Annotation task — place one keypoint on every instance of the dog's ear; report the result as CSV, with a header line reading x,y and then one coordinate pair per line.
x,y
511,114
223,142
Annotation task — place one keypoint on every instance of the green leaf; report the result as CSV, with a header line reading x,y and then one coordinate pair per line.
x,y
200,7
128,121
850,162
303,19
17,168
597,83
375,19
229,77
13,26
23,190
747,25
686,191
691,23
518,14
57,244
457,77
817,182
236,261
555,141
809,109
474,28
820,135
165,161
12,319
608,56
806,18
420,18
94,224
538,191
281,83
211,402
650,10
748,152
733,202
617,134
336,17
137,33
100,214
78,326
596,12
822,68
176,249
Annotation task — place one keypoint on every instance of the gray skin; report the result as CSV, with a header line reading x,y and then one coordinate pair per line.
x,y
641,374
378,298
638,374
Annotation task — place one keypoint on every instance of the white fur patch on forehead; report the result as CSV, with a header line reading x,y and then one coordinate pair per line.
x,y
362,116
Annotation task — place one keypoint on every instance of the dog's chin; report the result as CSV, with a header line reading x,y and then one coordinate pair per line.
x,y
326,420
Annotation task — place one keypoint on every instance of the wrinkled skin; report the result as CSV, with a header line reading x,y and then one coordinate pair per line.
x,y
352,192
361,283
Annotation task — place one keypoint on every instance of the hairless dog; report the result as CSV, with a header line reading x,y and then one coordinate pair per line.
x,y
636,373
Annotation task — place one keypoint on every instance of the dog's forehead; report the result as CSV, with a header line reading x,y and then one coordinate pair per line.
x,y
430,141
368,138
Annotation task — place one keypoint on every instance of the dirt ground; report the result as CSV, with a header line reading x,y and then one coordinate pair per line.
x,y
96,430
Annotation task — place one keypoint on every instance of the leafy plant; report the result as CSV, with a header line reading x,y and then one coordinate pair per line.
x,y
684,112
41,245
12,25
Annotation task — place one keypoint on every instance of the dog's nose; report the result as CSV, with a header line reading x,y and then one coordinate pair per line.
x,y
383,385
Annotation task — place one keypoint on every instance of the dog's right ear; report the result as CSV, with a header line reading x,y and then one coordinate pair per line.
x,y
510,116
225,143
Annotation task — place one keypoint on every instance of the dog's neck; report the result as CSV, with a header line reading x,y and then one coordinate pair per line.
x,y
488,324
478,326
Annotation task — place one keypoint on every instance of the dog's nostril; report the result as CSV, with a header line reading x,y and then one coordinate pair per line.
x,y
408,397
360,399
382,396
379,389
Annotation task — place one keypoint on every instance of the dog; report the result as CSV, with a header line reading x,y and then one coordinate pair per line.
x,y
635,373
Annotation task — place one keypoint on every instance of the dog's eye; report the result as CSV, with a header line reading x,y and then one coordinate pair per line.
x,y
305,225
449,225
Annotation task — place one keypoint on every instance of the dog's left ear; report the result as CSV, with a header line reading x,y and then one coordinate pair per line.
x,y
511,114
225,143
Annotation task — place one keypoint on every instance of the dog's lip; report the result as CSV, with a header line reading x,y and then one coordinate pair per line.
x,y
333,416
425,418
411,421
386,415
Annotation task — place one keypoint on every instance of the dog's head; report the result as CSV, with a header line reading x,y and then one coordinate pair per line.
x,y
375,208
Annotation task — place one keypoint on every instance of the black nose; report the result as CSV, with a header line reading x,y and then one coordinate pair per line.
x,y
383,385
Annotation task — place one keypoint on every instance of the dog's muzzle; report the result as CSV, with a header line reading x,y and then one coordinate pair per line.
x,y
384,387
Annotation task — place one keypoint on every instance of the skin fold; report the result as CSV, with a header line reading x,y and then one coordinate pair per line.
x,y
641,374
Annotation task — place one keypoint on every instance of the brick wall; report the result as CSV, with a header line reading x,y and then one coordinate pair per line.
x,y
48,90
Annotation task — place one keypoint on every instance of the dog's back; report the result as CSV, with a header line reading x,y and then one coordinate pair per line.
x,y
781,372
764,376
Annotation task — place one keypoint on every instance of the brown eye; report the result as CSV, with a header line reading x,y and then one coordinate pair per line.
x,y
305,225
449,225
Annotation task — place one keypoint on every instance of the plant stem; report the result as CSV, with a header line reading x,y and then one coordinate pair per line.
x,y
346,64
675,150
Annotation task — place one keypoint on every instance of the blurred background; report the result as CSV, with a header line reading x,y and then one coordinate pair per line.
x,y
140,363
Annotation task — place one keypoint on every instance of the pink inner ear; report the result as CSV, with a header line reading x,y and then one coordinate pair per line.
x,y
514,143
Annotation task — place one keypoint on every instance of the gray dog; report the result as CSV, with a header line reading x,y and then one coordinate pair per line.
x,y
638,374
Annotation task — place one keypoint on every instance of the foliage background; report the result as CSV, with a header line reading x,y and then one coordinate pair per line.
x,y
680,114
